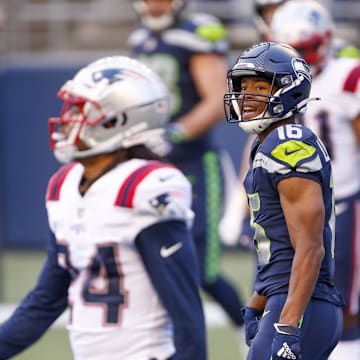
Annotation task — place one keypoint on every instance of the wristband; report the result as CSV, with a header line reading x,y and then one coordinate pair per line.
x,y
177,133
286,329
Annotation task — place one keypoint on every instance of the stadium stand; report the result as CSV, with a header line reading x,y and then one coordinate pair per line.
x,y
67,25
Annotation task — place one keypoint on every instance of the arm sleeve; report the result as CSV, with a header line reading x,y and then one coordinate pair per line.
x,y
38,310
176,280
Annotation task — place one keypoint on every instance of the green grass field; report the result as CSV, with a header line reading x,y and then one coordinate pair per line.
x,y
19,273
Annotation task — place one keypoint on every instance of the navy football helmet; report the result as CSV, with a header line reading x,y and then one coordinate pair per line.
x,y
290,80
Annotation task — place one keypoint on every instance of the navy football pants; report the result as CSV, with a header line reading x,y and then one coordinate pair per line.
x,y
320,330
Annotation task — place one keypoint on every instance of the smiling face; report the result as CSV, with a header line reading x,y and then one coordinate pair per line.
x,y
254,94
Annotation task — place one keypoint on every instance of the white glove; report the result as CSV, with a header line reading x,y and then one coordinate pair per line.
x,y
230,225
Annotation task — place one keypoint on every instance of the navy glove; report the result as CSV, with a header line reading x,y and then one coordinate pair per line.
x,y
175,133
286,344
251,318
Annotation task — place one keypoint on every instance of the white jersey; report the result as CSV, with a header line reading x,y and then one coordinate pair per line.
x,y
115,311
338,86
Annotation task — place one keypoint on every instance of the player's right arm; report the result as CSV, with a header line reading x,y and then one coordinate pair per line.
x,y
168,254
38,310
166,247
306,225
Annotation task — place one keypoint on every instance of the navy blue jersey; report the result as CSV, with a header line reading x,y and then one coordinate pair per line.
x,y
169,52
289,150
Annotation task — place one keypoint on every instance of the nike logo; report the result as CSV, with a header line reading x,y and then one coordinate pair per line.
x,y
166,252
164,178
290,152
266,313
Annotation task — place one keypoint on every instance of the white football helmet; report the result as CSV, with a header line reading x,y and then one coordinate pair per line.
x,y
158,23
307,26
260,20
115,102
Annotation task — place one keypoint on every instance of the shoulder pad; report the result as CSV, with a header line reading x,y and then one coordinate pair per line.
x,y
352,80
157,190
293,151
166,195
56,182
208,27
137,37
126,194
284,154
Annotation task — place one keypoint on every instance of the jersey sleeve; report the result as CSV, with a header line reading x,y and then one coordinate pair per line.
x,y
165,194
168,253
38,310
286,156
350,96
201,33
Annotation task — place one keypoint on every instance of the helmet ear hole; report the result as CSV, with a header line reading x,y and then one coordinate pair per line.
x,y
124,119
296,95
110,123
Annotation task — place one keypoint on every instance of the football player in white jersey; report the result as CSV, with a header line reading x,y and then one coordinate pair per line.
x,y
307,26
121,255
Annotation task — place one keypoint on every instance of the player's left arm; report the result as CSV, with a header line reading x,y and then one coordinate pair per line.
x,y
305,224
38,310
168,254
209,75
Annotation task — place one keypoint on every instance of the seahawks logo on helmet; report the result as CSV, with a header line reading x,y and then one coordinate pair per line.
x,y
301,68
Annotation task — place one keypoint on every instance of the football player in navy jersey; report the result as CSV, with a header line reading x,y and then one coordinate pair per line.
x,y
189,53
295,311
309,28
263,13
121,254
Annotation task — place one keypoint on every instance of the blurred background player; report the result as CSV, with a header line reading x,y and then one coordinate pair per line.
x,y
189,53
308,27
120,254
263,13
237,216
264,10
295,310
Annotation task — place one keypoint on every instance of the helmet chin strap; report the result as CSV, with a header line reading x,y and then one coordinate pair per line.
x,y
259,124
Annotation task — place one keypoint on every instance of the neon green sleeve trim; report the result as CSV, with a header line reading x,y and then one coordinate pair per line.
x,y
292,151
349,51
212,32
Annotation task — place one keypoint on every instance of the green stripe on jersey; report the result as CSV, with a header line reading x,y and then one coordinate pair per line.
x,y
213,212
